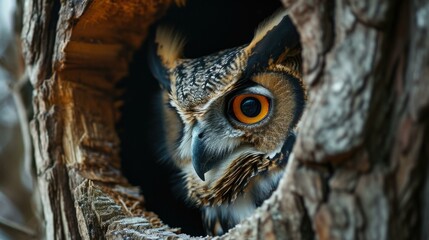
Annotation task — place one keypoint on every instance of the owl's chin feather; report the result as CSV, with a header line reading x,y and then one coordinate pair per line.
x,y
219,219
237,186
227,181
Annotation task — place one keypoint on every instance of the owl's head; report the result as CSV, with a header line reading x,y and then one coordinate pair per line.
x,y
229,115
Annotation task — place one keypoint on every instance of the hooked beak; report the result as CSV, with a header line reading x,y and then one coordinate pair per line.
x,y
203,160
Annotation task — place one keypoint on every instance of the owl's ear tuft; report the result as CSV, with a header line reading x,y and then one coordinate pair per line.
x,y
164,51
273,39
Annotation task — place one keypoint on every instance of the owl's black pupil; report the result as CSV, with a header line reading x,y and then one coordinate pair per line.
x,y
250,106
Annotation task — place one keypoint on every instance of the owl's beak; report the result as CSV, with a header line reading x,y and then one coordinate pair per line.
x,y
202,159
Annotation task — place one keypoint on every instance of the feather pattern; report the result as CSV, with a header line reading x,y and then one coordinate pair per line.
x,y
234,182
229,168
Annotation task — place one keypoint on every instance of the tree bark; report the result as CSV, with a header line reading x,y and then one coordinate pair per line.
x,y
358,169
76,51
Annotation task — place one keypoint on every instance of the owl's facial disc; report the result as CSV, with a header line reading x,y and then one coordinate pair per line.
x,y
214,140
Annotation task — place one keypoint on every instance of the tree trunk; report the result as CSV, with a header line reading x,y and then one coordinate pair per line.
x,y
76,52
360,160
358,168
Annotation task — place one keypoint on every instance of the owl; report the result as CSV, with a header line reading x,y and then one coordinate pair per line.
x,y
230,118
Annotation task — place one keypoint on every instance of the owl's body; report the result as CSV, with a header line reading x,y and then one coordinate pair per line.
x,y
230,118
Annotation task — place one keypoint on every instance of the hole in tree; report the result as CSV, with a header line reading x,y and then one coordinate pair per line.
x,y
209,26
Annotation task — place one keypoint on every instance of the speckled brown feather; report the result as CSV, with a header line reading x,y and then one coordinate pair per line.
x,y
235,180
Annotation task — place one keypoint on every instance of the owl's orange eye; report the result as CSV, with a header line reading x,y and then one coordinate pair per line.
x,y
250,108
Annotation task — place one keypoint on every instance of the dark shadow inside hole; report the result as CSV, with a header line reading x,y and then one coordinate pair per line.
x,y
209,26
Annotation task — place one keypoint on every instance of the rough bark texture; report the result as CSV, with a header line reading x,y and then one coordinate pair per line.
x,y
360,160
358,170
76,51
367,125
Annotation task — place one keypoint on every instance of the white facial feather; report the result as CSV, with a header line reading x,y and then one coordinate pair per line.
x,y
218,171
